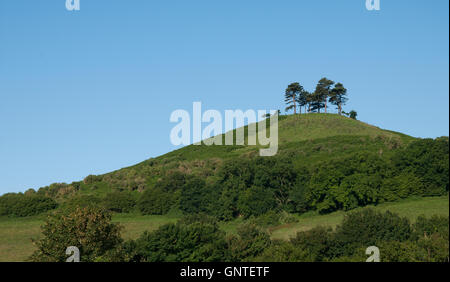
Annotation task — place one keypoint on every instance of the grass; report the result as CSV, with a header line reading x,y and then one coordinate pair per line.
x,y
15,237
135,224
410,208
16,233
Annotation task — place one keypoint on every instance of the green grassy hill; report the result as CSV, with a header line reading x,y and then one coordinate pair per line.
x,y
311,137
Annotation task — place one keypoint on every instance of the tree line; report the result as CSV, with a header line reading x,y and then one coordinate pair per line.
x,y
198,238
327,91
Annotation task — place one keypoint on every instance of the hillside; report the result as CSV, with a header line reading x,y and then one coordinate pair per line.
x,y
323,162
312,137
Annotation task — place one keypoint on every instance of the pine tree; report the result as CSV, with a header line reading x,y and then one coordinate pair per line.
x,y
323,92
302,99
338,96
291,94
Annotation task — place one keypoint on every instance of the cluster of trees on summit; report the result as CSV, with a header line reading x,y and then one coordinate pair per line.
x,y
327,91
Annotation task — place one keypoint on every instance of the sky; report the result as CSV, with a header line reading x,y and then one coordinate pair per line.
x,y
91,91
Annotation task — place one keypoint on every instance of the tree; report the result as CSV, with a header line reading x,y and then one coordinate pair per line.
x,y
194,239
121,202
316,102
353,114
338,96
309,100
21,205
323,91
291,94
89,229
366,227
302,99
156,201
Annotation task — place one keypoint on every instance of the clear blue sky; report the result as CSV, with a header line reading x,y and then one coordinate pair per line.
x,y
91,91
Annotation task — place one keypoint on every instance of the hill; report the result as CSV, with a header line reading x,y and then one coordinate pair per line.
x,y
313,137
325,162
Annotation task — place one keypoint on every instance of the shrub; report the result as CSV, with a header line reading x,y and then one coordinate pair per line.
x,y
81,201
155,201
25,205
186,241
121,202
89,229
250,242
315,243
366,227
256,201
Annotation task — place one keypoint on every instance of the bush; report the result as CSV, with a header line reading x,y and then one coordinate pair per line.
x,y
155,201
196,196
89,229
187,241
25,205
281,251
121,202
256,201
367,227
250,242
271,218
81,201
315,243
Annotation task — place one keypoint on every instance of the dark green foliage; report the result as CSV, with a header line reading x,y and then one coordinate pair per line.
x,y
121,202
428,160
189,240
271,218
81,201
367,227
430,226
401,186
89,229
256,201
25,205
338,96
250,242
92,179
164,195
291,96
321,94
155,201
281,251
315,244
196,196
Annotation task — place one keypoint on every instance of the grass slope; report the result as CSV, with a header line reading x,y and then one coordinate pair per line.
x,y
310,137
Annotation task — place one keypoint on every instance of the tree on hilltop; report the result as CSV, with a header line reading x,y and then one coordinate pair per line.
x,y
322,93
338,96
290,96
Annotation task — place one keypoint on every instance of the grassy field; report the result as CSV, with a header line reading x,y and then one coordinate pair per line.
x,y
16,233
410,208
